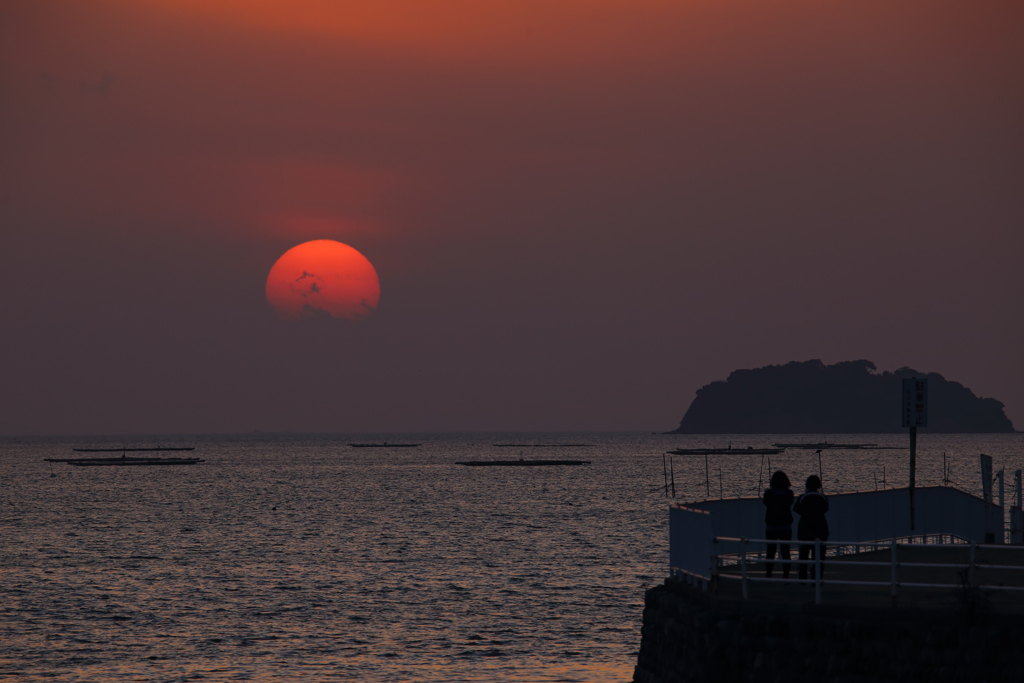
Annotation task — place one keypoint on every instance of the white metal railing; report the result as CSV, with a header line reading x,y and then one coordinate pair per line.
x,y
741,559
869,520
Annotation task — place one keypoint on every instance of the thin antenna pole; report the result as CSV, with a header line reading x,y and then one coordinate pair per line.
x,y
664,472
913,475
707,476
672,472
721,489
760,473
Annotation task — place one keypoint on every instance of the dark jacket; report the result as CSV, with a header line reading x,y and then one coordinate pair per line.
x,y
778,517
811,507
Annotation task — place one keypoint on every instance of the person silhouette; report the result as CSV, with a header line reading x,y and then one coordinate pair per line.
x,y
811,506
778,522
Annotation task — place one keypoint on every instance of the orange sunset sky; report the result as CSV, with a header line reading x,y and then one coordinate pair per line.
x,y
580,211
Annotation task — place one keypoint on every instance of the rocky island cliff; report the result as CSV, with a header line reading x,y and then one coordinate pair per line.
x,y
850,397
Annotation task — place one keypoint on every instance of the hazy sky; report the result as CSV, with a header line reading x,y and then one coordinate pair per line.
x,y
580,211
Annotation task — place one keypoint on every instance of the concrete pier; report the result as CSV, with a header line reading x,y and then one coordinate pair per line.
x,y
690,635
936,598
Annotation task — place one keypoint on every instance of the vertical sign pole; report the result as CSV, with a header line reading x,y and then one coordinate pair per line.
x,y
986,477
913,472
1002,508
1016,516
986,494
915,414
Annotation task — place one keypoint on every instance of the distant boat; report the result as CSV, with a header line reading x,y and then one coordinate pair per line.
x,y
750,450
521,463
384,445
126,460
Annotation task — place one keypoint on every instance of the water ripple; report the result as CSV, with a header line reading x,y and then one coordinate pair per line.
x,y
283,558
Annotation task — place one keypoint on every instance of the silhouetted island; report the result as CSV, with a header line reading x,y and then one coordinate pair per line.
x,y
846,398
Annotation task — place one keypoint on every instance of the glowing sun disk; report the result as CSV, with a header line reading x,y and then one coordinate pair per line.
x,y
323,277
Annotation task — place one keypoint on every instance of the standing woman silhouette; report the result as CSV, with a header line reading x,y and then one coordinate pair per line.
x,y
811,507
778,522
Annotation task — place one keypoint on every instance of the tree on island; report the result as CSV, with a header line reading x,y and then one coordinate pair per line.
x,y
845,398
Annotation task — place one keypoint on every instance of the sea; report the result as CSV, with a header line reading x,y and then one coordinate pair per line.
x,y
298,557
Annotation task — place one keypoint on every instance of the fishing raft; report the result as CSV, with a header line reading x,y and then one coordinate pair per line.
x,y
726,451
522,463
126,460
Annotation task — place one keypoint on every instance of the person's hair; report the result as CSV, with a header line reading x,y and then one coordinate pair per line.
x,y
780,480
813,483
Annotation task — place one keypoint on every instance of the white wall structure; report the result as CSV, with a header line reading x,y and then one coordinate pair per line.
x,y
690,541
852,517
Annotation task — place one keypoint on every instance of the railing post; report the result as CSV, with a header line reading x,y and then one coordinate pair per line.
x,y
970,567
892,577
742,564
817,571
713,569
1002,507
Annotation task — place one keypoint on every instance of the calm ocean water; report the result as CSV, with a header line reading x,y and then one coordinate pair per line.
x,y
288,557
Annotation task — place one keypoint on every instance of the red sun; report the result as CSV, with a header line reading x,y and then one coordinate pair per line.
x,y
323,277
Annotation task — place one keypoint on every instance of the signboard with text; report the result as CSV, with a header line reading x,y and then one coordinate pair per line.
x,y
915,402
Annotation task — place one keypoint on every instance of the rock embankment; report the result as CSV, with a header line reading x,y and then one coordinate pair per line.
x,y
691,636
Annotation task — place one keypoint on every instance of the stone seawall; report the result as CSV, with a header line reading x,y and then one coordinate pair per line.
x,y
692,636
